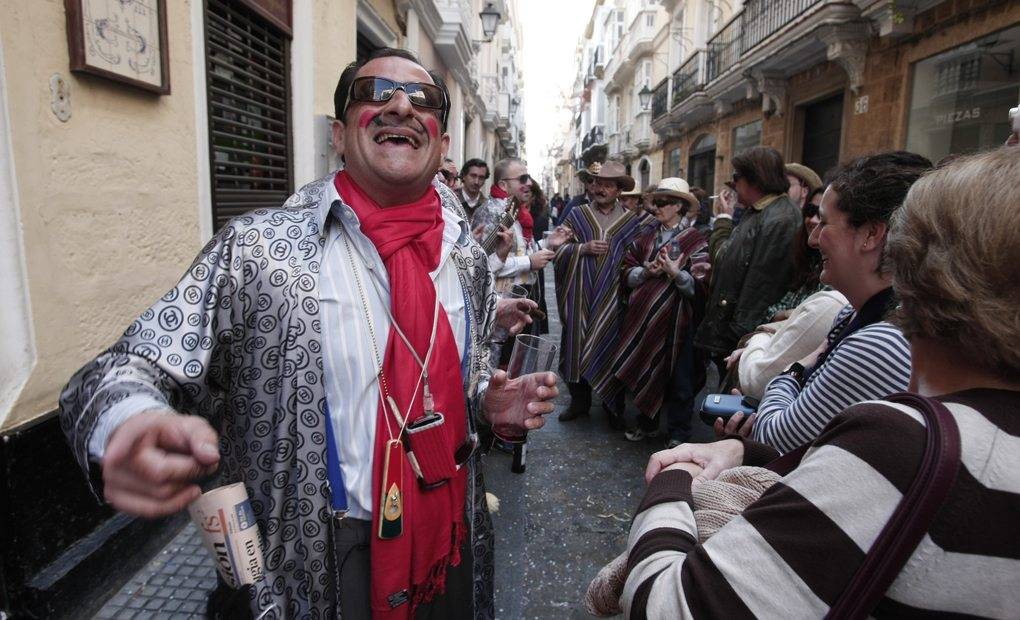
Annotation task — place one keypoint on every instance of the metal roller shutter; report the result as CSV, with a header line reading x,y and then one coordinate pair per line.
x,y
248,92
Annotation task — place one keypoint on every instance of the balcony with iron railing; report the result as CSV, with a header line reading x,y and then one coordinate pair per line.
x,y
689,78
660,99
723,49
594,137
763,18
757,50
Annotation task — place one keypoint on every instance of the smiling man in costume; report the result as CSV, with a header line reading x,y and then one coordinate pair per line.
x,y
339,347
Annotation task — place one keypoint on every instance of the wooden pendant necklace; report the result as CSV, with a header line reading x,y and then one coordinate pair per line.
x,y
390,522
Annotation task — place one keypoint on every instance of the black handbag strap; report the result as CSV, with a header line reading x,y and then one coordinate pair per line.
x,y
913,516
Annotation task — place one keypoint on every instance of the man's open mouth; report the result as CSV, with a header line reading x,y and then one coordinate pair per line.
x,y
397,139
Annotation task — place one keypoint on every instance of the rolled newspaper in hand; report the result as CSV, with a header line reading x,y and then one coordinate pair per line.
x,y
227,522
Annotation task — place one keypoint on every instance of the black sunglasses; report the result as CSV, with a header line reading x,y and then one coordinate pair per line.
x,y
664,203
378,89
524,178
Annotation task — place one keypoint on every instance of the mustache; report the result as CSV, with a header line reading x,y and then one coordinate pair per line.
x,y
378,121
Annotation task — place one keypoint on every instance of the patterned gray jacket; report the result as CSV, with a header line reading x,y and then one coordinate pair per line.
x,y
202,349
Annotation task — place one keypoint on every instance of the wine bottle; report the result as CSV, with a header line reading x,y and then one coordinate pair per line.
x,y
520,456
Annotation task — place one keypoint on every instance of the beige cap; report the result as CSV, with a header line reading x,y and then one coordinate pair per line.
x,y
677,188
806,175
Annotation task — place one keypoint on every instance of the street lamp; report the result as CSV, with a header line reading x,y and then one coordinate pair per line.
x,y
490,19
645,97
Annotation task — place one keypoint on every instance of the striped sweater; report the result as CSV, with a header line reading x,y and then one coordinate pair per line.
x,y
871,363
791,553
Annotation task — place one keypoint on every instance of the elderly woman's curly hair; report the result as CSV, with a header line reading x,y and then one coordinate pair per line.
x,y
955,253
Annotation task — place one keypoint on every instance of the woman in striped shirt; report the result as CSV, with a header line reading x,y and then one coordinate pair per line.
x,y
864,356
955,251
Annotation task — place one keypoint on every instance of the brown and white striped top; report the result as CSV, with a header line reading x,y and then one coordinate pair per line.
x,y
791,553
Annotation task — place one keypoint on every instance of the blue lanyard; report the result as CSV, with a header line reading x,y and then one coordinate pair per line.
x,y
338,491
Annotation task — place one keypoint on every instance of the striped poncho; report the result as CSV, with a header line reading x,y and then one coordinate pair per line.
x,y
656,320
587,289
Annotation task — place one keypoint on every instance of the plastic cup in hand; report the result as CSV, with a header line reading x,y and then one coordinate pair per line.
x,y
518,291
531,354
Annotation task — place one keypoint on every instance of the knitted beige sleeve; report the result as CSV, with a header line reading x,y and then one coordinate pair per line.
x,y
716,502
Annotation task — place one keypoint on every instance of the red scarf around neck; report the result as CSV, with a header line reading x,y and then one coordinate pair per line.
x,y
409,240
523,213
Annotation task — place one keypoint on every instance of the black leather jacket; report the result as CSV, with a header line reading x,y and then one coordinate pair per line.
x,y
751,268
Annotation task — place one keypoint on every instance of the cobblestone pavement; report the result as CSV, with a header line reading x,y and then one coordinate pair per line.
x,y
175,584
557,525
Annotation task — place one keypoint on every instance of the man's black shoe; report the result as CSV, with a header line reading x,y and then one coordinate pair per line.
x,y
616,421
572,414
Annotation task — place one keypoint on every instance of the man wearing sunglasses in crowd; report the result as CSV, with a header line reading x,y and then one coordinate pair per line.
x,y
449,175
340,346
528,254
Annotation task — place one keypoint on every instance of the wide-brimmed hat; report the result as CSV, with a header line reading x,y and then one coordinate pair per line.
x,y
636,193
677,188
586,174
806,175
614,171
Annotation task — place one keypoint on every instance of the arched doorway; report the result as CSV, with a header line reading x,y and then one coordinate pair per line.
x,y
644,174
701,164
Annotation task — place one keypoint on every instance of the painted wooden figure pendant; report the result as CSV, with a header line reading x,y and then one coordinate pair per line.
x,y
391,521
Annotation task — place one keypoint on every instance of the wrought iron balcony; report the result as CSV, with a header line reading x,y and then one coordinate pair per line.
x,y
762,18
592,138
660,97
689,78
724,48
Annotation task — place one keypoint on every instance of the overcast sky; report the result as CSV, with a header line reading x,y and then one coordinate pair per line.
x,y
551,29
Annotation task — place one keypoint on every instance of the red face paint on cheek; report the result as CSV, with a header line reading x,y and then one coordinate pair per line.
x,y
432,125
366,118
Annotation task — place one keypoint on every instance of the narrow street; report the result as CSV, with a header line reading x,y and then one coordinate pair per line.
x,y
557,524
569,513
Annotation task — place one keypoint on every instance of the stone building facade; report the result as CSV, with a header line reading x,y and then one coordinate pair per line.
x,y
823,81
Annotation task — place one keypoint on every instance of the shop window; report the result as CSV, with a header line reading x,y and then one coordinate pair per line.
x,y
701,164
746,136
960,99
674,164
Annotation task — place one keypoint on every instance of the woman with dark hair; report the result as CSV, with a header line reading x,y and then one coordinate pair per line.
x,y
865,356
953,256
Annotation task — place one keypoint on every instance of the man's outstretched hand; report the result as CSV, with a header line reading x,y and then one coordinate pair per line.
x,y
522,401
153,460
513,315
